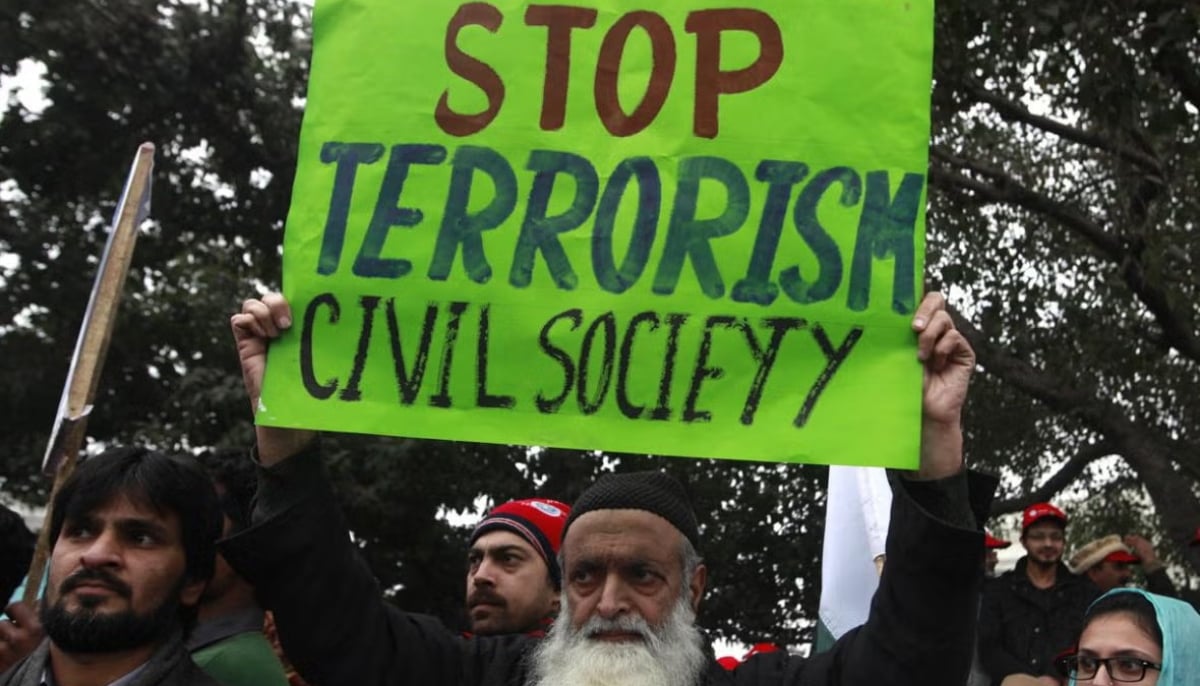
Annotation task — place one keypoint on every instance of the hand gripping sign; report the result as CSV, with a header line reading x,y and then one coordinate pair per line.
x,y
679,227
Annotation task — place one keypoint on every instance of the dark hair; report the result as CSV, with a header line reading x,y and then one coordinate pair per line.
x,y
234,474
150,479
1134,604
16,550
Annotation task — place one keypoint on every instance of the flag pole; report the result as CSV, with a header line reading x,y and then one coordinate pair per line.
x,y
70,424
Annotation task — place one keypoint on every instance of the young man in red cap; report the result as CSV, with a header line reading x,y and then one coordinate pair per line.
x,y
1034,611
513,579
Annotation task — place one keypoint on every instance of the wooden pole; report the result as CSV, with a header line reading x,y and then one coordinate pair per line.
x,y
70,426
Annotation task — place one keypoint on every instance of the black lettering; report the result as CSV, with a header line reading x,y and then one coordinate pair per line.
x,y
628,408
608,322
780,326
662,411
834,359
315,388
409,383
442,397
702,371
352,391
550,405
482,397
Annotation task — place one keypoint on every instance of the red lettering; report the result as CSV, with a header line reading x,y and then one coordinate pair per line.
x,y
711,82
472,69
608,69
559,21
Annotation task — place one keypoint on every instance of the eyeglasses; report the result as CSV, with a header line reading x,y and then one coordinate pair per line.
x,y
1056,536
1120,668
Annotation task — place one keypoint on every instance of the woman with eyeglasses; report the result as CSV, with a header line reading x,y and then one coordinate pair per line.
x,y
1134,637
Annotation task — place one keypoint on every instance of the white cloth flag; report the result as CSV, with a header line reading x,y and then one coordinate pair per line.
x,y
858,507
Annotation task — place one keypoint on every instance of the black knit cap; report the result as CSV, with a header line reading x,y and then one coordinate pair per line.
x,y
655,492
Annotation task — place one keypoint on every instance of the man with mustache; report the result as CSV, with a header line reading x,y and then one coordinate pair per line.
x,y
1034,611
632,572
513,578
134,537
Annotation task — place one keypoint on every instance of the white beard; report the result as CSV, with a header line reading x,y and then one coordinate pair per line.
x,y
671,655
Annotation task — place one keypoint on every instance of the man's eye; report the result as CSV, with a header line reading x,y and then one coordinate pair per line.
x,y
143,538
78,531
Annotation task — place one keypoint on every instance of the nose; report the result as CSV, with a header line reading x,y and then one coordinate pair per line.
x,y
614,598
103,551
484,574
1102,678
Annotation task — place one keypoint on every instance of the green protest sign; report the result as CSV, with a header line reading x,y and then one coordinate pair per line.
x,y
671,227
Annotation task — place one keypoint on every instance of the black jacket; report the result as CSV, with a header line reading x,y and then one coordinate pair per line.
x,y
1022,628
338,631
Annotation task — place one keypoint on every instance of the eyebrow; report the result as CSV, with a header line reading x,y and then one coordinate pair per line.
x,y
125,525
497,549
1128,652
140,524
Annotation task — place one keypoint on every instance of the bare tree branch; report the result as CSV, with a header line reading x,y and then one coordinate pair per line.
x,y
1058,481
1007,189
1178,329
1012,111
1104,417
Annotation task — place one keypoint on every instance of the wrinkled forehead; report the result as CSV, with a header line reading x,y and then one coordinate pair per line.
x,y
622,533
125,505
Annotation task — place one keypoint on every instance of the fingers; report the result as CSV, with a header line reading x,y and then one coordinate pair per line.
x,y
930,305
281,312
264,318
20,636
936,328
22,614
951,348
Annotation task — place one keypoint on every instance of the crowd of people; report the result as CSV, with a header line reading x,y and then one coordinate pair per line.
x,y
1031,616
174,570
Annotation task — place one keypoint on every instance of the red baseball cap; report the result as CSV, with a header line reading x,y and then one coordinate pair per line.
x,y
991,542
1039,511
1122,556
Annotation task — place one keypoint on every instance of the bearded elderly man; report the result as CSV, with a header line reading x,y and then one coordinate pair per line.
x,y
632,575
